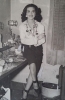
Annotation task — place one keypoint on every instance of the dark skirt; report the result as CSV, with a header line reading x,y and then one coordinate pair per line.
x,y
33,55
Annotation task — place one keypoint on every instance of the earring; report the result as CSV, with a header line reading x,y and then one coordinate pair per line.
x,y
26,15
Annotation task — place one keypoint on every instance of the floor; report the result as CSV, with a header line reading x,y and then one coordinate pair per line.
x,y
17,95
17,92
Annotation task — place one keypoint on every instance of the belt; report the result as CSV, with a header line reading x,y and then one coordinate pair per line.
x,y
29,46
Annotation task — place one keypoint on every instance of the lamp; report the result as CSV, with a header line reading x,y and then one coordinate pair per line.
x,y
12,23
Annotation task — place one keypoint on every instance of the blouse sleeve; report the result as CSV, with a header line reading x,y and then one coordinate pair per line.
x,y
24,40
42,37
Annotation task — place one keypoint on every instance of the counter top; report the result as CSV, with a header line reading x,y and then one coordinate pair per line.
x,y
17,66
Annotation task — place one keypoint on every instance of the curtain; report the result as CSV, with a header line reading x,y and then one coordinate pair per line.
x,y
55,50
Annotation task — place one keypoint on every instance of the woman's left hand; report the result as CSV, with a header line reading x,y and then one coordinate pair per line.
x,y
41,36
40,39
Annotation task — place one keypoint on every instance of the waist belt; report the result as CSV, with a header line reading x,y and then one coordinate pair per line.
x,y
29,46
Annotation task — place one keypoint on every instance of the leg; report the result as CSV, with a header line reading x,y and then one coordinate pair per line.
x,y
28,85
34,72
31,78
34,75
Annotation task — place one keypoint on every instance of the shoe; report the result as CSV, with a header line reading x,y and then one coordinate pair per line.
x,y
27,94
38,91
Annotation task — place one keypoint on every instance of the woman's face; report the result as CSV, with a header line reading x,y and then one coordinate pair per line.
x,y
30,14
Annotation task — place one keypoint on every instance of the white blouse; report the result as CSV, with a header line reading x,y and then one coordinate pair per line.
x,y
28,36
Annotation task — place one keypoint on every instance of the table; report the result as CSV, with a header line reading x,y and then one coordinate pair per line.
x,y
9,74
12,72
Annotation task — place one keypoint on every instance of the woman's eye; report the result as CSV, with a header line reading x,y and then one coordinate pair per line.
x,y
33,11
28,11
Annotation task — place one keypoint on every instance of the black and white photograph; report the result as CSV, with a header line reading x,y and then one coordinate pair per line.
x,y
32,49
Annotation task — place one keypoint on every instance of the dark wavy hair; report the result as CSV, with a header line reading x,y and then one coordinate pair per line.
x,y
38,16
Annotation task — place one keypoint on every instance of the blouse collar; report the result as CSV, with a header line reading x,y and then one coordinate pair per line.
x,y
27,23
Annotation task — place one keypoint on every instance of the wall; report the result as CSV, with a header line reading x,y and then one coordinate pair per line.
x,y
4,17
47,72
16,10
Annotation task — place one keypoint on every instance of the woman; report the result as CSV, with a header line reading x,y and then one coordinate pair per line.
x,y
32,37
